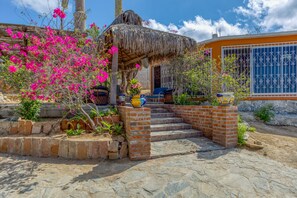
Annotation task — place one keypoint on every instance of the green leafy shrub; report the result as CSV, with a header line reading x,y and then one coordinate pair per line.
x,y
113,129
117,129
265,113
182,99
29,109
113,111
239,119
252,129
94,113
242,129
75,132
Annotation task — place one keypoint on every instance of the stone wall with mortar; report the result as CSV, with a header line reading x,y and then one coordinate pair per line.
x,y
216,123
137,122
285,111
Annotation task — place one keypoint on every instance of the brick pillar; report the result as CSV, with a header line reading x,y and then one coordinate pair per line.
x,y
225,126
137,123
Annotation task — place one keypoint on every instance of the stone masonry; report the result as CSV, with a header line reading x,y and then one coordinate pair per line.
x,y
66,148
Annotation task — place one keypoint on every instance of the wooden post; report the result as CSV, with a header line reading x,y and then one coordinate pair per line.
x,y
114,78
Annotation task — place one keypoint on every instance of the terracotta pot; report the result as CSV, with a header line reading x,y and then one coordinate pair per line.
x,y
64,125
72,124
97,120
88,126
108,119
82,124
115,118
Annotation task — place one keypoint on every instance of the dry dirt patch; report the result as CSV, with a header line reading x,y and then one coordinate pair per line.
x,y
280,143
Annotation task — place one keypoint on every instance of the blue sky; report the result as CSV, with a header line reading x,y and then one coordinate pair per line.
x,y
195,18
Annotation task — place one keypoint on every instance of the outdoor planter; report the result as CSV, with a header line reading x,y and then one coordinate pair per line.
x,y
64,125
226,99
101,95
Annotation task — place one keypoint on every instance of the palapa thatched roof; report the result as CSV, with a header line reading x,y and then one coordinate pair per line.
x,y
136,42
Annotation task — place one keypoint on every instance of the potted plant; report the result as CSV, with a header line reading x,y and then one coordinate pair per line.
x,y
100,95
134,91
226,98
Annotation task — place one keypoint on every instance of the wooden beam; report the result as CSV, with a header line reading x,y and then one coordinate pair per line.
x,y
138,59
114,79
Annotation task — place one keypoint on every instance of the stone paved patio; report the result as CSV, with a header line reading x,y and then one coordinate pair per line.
x,y
220,173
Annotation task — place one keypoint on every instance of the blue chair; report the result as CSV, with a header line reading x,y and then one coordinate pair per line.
x,y
158,94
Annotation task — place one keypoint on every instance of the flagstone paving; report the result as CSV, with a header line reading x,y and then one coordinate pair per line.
x,y
218,173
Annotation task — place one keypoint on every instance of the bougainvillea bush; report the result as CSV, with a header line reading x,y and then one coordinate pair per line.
x,y
55,66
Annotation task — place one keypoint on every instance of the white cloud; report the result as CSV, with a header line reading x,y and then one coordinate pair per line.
x,y
39,6
200,29
271,15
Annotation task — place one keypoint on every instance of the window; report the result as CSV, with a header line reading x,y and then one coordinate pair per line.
x,y
272,67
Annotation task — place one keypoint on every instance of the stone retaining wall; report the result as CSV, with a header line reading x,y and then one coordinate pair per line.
x,y
27,127
80,149
137,122
217,123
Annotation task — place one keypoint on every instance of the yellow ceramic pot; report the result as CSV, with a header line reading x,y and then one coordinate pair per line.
x,y
135,101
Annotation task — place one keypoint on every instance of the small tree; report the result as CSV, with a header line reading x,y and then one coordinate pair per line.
x,y
56,66
205,77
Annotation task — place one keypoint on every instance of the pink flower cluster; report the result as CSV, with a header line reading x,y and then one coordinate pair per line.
x,y
138,66
113,50
58,66
59,13
93,25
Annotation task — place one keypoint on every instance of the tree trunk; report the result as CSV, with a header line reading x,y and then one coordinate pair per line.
x,y
91,121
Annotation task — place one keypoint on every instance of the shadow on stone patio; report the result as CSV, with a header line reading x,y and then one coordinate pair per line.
x,y
16,174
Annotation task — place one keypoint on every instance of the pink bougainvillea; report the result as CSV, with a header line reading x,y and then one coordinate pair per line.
x,y
59,67
113,50
59,13
12,69
138,66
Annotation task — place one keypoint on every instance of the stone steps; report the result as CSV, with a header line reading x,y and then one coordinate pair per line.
x,y
159,110
166,120
170,127
162,115
173,135
182,147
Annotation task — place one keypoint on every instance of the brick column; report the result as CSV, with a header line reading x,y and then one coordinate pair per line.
x,y
137,123
224,125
